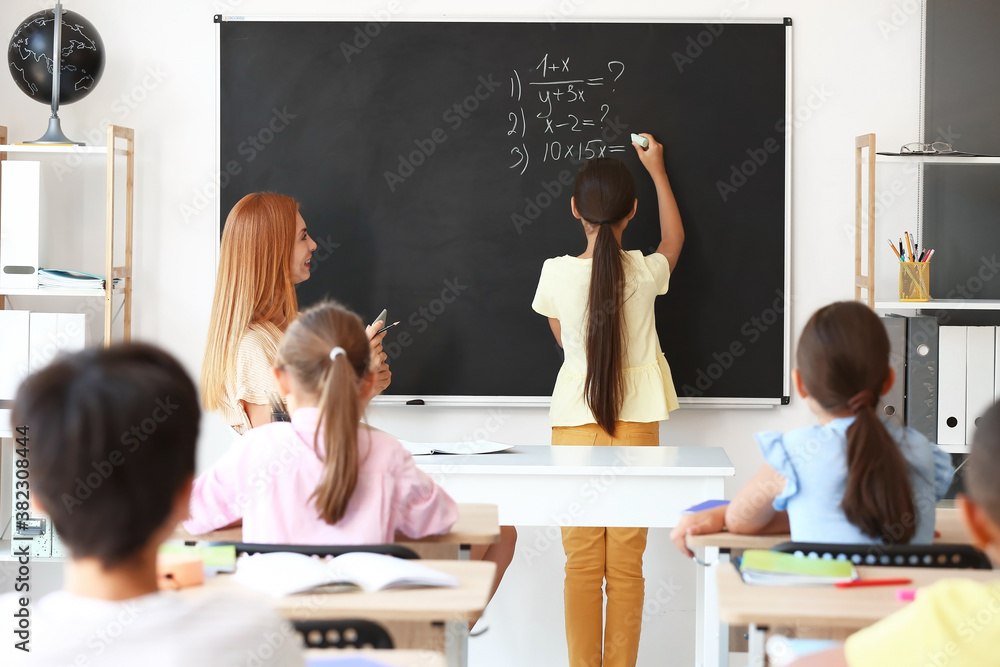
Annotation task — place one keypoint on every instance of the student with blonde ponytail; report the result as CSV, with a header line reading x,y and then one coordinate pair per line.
x,y
854,478
614,386
324,477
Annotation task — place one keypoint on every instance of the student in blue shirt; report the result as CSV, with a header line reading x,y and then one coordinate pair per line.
x,y
853,477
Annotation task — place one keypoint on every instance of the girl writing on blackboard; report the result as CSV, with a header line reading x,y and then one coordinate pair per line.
x,y
614,386
852,478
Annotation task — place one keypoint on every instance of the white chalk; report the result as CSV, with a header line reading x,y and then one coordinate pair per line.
x,y
642,141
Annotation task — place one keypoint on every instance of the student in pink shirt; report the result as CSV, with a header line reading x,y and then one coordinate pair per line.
x,y
324,477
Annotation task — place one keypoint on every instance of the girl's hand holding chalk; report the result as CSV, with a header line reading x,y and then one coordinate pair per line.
x,y
651,155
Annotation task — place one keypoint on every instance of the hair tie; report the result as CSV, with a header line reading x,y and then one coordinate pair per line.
x,y
336,352
863,399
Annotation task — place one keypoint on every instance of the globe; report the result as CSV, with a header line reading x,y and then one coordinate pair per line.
x,y
30,56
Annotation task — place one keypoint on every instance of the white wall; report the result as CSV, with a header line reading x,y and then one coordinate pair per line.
x,y
856,70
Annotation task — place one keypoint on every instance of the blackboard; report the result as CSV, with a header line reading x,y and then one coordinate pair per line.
x,y
432,161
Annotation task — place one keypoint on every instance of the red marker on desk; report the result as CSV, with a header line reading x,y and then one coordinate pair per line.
x,y
858,583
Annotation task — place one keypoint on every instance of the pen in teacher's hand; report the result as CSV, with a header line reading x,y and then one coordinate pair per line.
x,y
385,328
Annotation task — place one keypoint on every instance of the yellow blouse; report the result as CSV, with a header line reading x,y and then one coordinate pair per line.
x,y
253,377
562,294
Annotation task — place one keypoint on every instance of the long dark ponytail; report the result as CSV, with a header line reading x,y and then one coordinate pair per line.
x,y
843,360
604,195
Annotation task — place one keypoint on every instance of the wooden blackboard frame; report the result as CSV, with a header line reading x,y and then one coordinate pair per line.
x,y
542,401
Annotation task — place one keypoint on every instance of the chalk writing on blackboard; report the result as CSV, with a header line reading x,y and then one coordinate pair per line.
x,y
570,106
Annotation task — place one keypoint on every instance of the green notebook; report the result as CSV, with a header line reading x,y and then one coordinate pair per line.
x,y
772,568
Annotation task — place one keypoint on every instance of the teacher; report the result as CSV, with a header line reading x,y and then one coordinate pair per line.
x,y
266,250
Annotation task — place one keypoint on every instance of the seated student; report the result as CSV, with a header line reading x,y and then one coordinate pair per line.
x,y
86,414
954,622
324,477
853,478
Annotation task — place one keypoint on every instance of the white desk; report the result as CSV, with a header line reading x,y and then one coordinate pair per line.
x,y
542,485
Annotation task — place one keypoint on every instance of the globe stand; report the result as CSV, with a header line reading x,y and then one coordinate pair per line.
x,y
54,135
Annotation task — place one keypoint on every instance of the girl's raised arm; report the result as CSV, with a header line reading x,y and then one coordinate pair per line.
x,y
671,228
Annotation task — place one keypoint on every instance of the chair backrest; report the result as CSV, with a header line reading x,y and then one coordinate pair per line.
x,y
962,556
323,551
343,633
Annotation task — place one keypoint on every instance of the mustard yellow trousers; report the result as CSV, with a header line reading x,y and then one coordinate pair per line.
x,y
595,556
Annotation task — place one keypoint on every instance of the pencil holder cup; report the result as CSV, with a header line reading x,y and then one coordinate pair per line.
x,y
914,281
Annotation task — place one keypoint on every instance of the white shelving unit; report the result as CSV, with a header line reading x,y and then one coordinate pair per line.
x,y
867,282
117,298
939,304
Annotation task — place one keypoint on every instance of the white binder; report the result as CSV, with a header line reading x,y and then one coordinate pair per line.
x,y
52,334
13,351
19,212
980,374
952,385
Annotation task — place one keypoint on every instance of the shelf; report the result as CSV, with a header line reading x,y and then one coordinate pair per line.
x,y
75,150
940,304
57,291
6,556
940,159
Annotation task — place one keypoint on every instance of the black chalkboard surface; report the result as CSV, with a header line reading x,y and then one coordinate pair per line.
x,y
434,162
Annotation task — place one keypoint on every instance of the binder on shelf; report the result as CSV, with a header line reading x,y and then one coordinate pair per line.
x,y
996,368
19,213
53,333
13,351
980,374
952,359
922,346
893,403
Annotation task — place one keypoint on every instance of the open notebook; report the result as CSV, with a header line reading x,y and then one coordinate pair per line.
x,y
284,573
469,447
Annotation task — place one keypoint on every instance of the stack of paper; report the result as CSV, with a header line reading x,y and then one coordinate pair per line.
x,y
772,568
71,279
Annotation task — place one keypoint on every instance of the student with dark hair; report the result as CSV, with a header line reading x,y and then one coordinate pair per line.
x,y
614,386
853,478
955,621
129,413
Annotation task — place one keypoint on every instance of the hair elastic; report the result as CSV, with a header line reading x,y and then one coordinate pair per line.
x,y
863,399
336,352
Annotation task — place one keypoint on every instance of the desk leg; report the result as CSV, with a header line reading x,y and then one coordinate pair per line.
x,y
456,643
755,645
712,647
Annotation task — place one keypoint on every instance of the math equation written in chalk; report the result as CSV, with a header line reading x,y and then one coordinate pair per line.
x,y
572,109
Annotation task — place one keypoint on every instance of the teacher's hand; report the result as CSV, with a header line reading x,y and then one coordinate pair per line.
x,y
378,356
383,376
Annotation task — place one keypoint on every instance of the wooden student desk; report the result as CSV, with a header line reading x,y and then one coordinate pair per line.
x,y
716,548
434,619
476,524
946,522
808,609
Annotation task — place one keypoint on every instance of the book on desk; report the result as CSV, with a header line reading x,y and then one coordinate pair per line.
x,y
772,568
284,573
